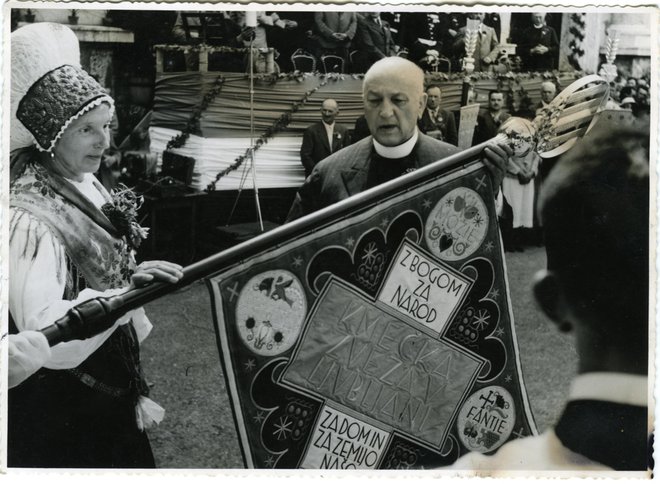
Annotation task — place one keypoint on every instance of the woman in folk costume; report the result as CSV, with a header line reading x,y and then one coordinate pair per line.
x,y
518,188
70,241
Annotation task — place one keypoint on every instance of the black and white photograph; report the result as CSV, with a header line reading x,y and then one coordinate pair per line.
x,y
329,238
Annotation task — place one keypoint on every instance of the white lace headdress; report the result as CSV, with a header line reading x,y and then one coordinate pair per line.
x,y
49,89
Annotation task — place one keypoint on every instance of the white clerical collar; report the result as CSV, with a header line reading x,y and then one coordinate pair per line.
x,y
624,388
400,151
539,26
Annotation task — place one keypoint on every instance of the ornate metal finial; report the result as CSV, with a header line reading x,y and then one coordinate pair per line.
x,y
608,70
471,37
558,126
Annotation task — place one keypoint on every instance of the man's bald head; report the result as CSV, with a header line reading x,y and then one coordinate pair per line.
x,y
394,99
391,67
548,91
329,111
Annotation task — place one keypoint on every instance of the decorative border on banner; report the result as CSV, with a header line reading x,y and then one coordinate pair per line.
x,y
228,369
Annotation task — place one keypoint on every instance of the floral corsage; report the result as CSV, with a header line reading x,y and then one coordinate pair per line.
x,y
122,211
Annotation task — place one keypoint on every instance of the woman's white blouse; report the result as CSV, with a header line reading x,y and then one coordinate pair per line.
x,y
37,284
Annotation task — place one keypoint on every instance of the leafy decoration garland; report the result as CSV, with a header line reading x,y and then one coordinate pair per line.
x,y
546,123
500,77
576,30
278,125
193,123
204,47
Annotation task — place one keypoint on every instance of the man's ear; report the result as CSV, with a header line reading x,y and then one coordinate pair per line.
x,y
550,296
422,105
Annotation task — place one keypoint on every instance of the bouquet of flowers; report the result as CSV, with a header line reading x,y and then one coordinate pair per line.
x,y
122,211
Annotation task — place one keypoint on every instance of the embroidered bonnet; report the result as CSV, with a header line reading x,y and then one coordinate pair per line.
x,y
49,88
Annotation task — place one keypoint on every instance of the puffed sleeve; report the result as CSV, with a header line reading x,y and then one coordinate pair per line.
x,y
37,265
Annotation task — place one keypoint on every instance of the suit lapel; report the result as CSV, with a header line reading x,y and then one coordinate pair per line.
x,y
323,134
355,176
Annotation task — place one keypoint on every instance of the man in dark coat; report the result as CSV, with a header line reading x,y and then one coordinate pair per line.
x,y
539,47
394,98
489,120
316,144
373,41
435,121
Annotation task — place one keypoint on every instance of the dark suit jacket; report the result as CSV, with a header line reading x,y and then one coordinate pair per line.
x,y
447,126
315,145
344,174
532,37
487,127
360,130
372,39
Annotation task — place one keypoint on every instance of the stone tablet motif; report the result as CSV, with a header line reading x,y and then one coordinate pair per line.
x,y
341,441
355,354
427,291
364,344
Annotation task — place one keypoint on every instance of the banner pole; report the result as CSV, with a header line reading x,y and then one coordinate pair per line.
x,y
94,316
253,162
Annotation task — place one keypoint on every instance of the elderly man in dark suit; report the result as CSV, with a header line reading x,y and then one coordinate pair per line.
x,y
435,121
322,139
394,98
373,41
539,46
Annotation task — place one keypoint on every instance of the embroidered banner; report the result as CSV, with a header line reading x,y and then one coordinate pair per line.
x,y
381,338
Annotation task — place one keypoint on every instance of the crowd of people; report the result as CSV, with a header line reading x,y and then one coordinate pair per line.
x,y
631,94
88,406
353,41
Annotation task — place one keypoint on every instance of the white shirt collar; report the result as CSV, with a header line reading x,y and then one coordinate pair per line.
x,y
624,388
400,151
91,188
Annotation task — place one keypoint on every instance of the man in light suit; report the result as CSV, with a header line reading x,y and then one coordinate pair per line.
x,y
394,98
335,32
488,47
322,139
373,41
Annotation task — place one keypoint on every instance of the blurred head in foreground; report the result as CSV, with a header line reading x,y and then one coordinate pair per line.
x,y
594,207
